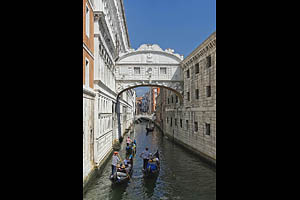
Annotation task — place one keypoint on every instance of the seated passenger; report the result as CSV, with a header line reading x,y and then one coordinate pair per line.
x,y
122,169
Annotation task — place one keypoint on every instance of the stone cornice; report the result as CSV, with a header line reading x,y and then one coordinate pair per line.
x,y
89,52
131,53
154,64
208,44
89,91
106,88
125,24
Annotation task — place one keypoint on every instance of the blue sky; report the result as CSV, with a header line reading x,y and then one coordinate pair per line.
x,y
141,90
181,25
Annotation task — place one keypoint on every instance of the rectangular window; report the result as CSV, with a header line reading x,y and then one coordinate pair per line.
x,y
176,99
188,96
167,120
163,70
168,100
208,61
197,93
188,73
87,73
197,68
175,122
196,126
87,21
180,123
137,70
208,91
172,99
207,128
171,122
187,124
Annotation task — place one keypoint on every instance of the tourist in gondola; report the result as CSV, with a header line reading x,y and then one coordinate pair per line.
x,y
133,148
128,149
128,140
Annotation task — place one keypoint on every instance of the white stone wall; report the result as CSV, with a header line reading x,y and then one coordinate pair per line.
x,y
88,131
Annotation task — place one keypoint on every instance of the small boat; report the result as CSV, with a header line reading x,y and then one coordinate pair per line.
x,y
149,129
121,177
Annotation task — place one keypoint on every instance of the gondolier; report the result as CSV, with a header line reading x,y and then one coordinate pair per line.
x,y
114,163
145,156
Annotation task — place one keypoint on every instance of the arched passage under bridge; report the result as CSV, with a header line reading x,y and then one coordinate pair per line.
x,y
149,65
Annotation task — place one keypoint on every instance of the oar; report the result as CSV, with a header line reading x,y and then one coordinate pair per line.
x,y
124,165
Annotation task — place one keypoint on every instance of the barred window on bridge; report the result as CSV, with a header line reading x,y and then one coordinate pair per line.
x,y
137,70
163,70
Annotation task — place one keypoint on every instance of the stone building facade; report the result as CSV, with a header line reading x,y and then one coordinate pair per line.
x,y
192,123
104,113
88,87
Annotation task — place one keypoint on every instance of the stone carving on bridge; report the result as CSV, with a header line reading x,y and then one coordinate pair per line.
x,y
149,65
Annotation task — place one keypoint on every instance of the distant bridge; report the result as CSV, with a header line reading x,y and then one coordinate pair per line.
x,y
145,116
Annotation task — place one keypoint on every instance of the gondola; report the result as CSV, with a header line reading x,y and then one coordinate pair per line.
x,y
149,129
121,177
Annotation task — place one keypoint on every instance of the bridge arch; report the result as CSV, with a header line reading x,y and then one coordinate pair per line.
x,y
178,93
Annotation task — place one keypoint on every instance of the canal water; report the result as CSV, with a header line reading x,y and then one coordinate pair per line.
x,y
182,175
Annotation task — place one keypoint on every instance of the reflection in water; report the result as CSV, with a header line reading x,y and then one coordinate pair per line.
x,y
181,176
149,185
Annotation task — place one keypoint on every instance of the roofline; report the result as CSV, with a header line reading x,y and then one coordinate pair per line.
x,y
125,23
199,47
149,51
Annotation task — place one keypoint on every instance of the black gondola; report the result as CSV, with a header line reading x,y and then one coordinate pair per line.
x,y
149,129
121,177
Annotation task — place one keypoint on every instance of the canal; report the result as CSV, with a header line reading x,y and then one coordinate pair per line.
x,y
182,175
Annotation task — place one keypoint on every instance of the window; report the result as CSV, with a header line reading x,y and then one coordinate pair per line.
x,y
180,123
197,93
87,73
163,70
208,61
207,128
196,126
187,124
197,68
172,99
168,100
137,70
188,96
188,73
167,120
171,122
176,99
175,122
208,91
87,21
